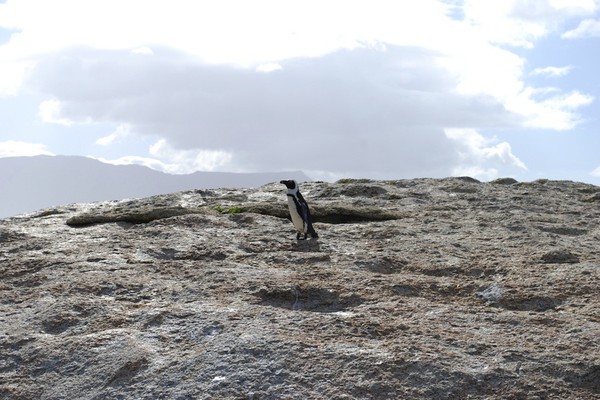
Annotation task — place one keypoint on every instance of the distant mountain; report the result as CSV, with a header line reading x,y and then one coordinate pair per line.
x,y
28,184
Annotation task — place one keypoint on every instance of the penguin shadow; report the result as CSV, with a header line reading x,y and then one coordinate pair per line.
x,y
306,245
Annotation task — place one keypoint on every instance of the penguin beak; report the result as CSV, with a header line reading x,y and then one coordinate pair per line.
x,y
288,183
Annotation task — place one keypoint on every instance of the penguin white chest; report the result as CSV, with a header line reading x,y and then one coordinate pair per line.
x,y
296,218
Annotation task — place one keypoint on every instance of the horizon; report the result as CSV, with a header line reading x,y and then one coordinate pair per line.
x,y
357,178
57,181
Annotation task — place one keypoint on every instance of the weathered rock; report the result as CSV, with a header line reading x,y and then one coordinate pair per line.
x,y
560,257
134,216
505,181
593,198
492,294
422,288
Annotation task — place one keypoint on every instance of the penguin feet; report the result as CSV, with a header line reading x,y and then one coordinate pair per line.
x,y
304,236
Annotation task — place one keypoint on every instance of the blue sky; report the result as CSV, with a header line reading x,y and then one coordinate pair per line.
x,y
376,89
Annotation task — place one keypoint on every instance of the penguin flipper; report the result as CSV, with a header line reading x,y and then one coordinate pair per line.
x,y
308,221
304,212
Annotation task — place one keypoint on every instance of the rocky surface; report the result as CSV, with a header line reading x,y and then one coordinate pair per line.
x,y
415,289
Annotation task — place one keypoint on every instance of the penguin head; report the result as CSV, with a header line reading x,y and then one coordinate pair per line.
x,y
290,184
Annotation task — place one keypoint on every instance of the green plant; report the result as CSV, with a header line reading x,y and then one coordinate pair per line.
x,y
228,210
346,181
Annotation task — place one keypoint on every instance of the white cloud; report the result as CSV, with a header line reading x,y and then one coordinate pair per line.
x,y
122,130
586,28
143,50
521,22
14,148
269,67
187,161
552,72
107,140
137,160
477,172
50,111
328,176
167,159
12,74
229,31
596,172
481,157
549,108
569,101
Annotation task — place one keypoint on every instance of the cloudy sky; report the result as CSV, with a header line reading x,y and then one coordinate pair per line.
x,y
337,88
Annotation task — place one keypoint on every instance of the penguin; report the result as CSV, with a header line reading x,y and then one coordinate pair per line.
x,y
299,211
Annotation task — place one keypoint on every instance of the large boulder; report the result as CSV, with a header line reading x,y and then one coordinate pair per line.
x,y
418,289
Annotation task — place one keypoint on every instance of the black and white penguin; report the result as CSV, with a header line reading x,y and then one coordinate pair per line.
x,y
299,211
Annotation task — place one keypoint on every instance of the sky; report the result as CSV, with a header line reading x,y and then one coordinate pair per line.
x,y
380,89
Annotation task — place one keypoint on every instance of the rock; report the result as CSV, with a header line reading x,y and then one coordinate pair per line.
x,y
593,198
134,216
492,294
505,181
560,257
423,288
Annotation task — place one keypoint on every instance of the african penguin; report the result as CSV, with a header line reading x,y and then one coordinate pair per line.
x,y
299,211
